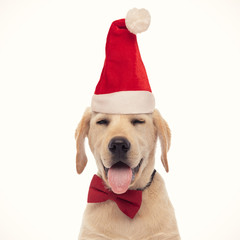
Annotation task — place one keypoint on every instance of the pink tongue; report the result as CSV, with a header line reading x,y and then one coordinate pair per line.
x,y
119,177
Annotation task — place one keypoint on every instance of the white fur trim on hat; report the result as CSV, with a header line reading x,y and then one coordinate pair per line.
x,y
124,102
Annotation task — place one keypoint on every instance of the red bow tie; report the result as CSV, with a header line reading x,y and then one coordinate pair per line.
x,y
128,202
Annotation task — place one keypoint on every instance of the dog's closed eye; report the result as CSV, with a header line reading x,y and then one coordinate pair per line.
x,y
103,122
137,121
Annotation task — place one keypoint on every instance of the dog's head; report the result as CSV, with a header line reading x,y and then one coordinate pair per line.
x,y
123,146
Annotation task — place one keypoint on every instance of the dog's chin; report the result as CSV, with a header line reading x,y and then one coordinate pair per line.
x,y
120,176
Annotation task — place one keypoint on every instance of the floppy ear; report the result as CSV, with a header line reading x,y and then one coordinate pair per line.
x,y
80,134
164,135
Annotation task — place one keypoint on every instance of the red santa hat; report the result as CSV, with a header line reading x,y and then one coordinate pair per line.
x,y
123,87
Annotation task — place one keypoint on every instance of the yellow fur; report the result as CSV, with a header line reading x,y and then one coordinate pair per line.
x,y
155,219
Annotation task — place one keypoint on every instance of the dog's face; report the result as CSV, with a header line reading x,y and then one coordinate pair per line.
x,y
123,146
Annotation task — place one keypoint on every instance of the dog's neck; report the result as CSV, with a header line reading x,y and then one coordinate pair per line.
x,y
149,183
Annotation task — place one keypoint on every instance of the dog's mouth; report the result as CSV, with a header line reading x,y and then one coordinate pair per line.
x,y
120,176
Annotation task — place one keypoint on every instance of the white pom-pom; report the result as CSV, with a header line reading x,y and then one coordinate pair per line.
x,y
137,20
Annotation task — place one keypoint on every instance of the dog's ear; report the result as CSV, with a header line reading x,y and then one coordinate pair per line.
x,y
80,134
164,134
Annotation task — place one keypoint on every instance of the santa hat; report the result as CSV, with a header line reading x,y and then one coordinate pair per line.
x,y
123,87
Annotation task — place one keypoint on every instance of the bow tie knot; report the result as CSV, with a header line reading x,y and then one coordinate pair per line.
x,y
112,196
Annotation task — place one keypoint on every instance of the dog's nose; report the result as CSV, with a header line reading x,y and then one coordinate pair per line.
x,y
119,145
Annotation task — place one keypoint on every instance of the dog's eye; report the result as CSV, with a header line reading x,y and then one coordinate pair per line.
x,y
103,122
137,121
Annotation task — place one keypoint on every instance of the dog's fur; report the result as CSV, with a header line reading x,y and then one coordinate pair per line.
x,y
155,219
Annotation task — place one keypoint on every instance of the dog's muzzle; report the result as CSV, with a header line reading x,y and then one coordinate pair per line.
x,y
120,175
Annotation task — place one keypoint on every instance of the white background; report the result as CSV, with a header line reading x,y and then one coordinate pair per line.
x,y
51,57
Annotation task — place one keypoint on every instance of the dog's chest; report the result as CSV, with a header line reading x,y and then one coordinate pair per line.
x,y
110,223
106,221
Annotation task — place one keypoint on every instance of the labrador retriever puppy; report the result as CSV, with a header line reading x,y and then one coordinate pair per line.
x,y
127,141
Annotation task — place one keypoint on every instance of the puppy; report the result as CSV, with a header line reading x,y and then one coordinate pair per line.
x,y
127,142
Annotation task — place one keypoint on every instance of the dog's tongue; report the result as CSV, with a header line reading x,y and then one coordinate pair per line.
x,y
119,177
